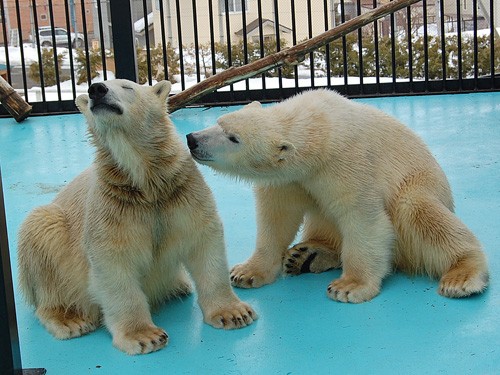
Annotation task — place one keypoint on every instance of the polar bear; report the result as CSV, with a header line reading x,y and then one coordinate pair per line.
x,y
369,193
120,237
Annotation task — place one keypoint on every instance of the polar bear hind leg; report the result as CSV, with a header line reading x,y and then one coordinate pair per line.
x,y
433,240
319,250
52,277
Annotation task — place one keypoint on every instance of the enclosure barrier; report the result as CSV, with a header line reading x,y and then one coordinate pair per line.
x,y
441,46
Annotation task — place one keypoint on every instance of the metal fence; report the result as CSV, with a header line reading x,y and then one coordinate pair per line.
x,y
53,49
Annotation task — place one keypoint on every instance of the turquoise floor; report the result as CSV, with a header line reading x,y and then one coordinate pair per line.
x,y
407,329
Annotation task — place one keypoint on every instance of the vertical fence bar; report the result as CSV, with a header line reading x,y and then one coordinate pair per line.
x,y
426,45
327,47
474,21
310,34
278,43
443,44
245,43
38,48
410,49
344,49
9,340
212,36
148,45
261,41
294,42
459,45
493,32
70,50
101,39
393,51
54,50
123,39
179,39
196,42
360,49
86,42
228,38
163,37
6,41
10,353
377,53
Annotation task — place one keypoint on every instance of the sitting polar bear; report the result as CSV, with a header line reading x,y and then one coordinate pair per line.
x,y
369,193
115,241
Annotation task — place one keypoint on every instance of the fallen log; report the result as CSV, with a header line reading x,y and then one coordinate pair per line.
x,y
13,102
290,56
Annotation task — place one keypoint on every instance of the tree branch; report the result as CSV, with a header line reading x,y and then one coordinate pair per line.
x,y
290,56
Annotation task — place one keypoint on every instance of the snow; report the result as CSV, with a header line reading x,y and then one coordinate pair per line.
x,y
139,24
30,55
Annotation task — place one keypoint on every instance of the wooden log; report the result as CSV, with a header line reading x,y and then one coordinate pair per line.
x,y
290,56
13,102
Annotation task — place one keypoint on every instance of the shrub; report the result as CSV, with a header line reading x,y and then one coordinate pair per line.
x,y
157,64
48,68
94,61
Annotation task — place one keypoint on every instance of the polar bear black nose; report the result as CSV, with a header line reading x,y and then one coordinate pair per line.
x,y
192,142
97,91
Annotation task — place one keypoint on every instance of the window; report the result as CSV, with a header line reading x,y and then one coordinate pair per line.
x,y
233,5
350,11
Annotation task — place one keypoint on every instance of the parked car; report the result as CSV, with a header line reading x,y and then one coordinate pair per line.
x,y
61,36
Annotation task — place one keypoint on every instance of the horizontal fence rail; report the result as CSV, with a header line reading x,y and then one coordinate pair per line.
x,y
51,50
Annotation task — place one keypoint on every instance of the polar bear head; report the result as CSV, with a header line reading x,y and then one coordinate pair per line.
x,y
251,143
123,106
128,122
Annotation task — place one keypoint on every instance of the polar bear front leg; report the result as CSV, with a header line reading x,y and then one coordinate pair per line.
x,y
208,267
116,286
280,211
366,257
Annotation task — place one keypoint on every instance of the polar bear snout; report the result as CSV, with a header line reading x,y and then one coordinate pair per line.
x,y
192,141
198,148
101,98
97,91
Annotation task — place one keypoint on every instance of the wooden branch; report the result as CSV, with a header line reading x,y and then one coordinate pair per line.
x,y
13,102
290,56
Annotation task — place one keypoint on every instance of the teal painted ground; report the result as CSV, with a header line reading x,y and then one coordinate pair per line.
x,y
407,329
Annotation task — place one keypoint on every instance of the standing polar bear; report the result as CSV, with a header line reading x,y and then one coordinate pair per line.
x,y
369,193
115,240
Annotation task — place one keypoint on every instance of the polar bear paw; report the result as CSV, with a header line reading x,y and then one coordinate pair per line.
x,y
348,289
460,283
235,315
308,257
65,323
141,341
248,275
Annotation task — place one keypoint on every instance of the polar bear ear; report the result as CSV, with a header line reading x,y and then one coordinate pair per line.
x,y
82,103
285,150
254,104
162,89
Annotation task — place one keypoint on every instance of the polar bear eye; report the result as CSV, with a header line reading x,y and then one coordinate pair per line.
x,y
233,139
127,87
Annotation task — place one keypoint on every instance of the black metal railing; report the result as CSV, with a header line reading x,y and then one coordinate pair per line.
x,y
429,47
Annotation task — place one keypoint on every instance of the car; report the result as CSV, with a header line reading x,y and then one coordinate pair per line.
x,y
61,37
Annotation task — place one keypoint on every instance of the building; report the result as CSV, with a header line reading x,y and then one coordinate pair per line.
x,y
309,18
21,17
